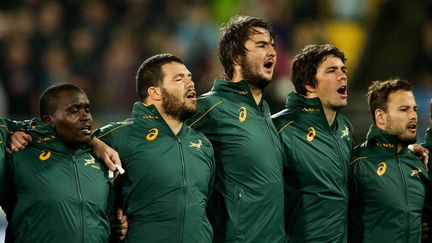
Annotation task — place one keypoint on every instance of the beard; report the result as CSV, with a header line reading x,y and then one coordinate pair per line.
x,y
250,73
175,107
402,136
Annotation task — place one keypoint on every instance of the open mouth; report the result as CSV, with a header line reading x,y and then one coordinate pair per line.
x,y
269,64
412,127
342,90
86,130
191,95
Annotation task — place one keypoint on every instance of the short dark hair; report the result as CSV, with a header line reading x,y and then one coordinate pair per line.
x,y
305,64
379,91
49,98
233,36
150,72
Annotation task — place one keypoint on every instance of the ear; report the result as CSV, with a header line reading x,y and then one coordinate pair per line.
x,y
380,118
48,120
154,93
236,61
309,89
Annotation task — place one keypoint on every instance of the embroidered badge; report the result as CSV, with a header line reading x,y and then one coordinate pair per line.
x,y
242,114
45,154
152,135
345,132
196,145
91,162
382,167
311,134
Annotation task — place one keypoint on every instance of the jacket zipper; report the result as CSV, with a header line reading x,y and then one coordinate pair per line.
x,y
345,171
236,222
270,136
80,197
183,205
345,167
406,197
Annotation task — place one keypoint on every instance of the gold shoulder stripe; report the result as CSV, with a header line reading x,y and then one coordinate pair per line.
x,y
110,131
289,123
357,159
205,113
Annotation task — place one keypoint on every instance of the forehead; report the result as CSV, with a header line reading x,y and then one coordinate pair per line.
x,y
401,97
259,34
174,68
70,98
329,61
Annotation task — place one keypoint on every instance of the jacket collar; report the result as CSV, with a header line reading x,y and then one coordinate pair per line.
x,y
299,103
142,112
241,89
382,139
45,137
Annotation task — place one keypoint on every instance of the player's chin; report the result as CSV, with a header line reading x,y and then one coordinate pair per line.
x,y
83,139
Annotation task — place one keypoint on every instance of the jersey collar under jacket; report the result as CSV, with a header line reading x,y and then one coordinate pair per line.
x,y
387,143
45,137
241,89
299,103
142,112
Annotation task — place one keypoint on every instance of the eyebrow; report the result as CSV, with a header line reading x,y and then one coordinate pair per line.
x,y
336,67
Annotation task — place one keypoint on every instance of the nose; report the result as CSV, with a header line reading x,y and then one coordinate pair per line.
x,y
272,51
86,115
412,115
342,76
190,83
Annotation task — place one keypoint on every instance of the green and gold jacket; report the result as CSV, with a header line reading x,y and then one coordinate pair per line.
x,y
315,169
168,179
51,195
247,203
387,191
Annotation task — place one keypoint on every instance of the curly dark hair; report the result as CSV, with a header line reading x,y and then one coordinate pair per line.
x,y
305,64
234,35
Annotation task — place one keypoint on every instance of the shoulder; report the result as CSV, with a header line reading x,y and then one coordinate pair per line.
x,y
283,119
208,100
207,105
359,154
115,130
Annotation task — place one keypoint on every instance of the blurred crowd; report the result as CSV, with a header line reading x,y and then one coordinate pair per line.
x,y
99,45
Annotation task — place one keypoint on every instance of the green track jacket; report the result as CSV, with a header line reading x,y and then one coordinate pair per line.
x,y
247,203
168,178
50,195
427,210
315,170
3,140
387,191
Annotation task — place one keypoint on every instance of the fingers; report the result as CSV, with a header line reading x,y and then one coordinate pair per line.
x,y
8,150
108,162
120,225
424,230
19,141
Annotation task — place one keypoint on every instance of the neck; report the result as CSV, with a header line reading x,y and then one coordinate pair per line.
x,y
399,147
330,114
256,92
174,123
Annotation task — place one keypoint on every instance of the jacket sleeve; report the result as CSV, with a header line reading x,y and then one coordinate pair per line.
x,y
355,204
7,192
